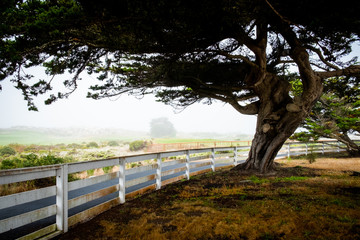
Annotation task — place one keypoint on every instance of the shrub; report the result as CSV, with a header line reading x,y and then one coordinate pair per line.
x,y
311,157
137,145
30,160
50,160
113,143
8,164
74,145
90,172
7,151
97,155
60,146
92,145
31,148
107,169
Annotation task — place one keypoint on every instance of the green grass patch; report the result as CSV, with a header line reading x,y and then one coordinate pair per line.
x,y
292,178
258,180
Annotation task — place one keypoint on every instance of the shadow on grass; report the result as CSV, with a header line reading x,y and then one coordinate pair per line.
x,y
295,203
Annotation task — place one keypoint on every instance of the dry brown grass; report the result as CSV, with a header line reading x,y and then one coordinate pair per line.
x,y
7,189
340,164
302,201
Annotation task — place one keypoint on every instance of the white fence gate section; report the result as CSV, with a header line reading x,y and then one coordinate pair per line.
x,y
50,211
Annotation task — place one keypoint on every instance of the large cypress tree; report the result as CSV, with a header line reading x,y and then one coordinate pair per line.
x,y
238,52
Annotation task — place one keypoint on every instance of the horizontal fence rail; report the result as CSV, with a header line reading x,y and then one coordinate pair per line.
x,y
162,147
50,211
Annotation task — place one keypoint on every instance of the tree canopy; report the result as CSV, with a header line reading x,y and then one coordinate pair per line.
x,y
183,51
336,115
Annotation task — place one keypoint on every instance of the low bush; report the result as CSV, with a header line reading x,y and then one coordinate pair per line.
x,y
74,145
113,144
7,151
30,160
107,169
137,145
92,145
97,155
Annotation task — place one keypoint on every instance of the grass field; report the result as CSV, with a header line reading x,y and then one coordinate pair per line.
x,y
181,140
299,201
8,136
44,136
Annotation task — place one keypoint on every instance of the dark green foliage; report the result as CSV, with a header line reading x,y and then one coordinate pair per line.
x,y
336,115
137,145
6,151
30,160
9,164
191,44
304,137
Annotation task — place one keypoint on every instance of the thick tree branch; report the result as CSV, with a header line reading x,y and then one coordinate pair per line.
x,y
349,71
249,109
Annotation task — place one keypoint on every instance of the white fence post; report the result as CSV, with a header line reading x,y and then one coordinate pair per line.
x,y
288,150
235,155
62,198
306,153
187,172
122,180
213,159
158,172
323,150
338,146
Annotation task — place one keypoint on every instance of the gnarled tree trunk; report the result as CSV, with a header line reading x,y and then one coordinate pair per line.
x,y
279,115
268,140
351,147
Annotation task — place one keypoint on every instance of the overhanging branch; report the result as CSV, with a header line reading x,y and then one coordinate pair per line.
x,y
349,71
318,52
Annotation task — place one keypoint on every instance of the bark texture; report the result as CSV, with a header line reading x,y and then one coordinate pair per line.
x,y
351,147
278,117
279,114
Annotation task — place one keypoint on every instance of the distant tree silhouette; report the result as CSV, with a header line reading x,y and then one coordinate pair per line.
x,y
162,127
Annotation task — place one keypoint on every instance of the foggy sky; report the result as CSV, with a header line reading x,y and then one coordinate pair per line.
x,y
125,112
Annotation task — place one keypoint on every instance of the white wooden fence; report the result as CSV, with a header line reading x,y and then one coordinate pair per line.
x,y
124,183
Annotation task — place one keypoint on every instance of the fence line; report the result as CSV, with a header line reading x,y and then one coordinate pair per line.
x,y
162,147
61,201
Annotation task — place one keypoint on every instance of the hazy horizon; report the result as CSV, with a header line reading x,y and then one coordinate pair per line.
x,y
125,112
